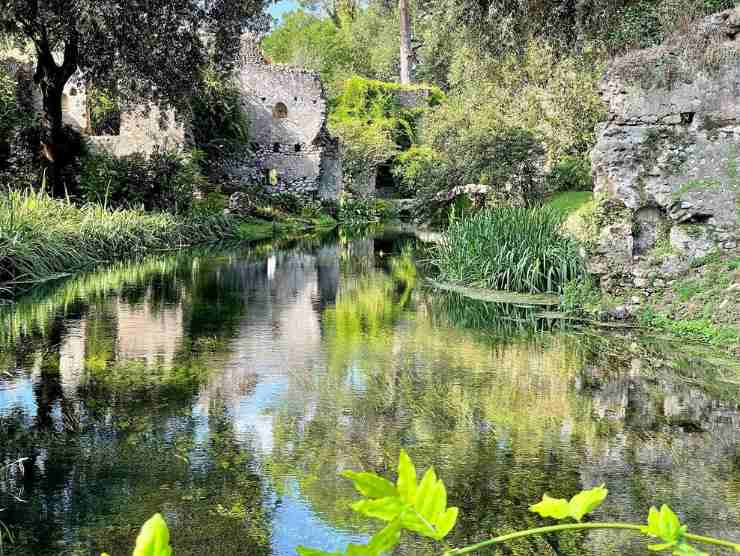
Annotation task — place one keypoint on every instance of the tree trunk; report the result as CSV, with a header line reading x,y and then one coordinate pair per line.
x,y
51,79
406,53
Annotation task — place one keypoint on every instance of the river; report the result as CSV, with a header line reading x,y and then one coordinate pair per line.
x,y
227,388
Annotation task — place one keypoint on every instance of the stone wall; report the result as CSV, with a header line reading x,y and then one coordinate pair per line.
x,y
287,113
141,130
666,162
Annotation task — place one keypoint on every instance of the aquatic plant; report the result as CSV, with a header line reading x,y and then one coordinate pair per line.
x,y
42,237
510,248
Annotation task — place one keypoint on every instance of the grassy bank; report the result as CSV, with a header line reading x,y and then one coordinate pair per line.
x,y
42,238
522,250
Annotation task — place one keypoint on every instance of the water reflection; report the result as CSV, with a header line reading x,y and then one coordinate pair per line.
x,y
229,389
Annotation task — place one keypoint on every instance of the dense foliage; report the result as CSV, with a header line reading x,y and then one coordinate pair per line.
x,y
372,124
149,50
515,249
162,181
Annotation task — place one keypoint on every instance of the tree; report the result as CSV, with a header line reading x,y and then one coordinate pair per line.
x,y
406,52
141,49
335,9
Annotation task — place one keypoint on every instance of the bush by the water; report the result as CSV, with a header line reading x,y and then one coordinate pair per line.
x,y
515,249
164,180
41,237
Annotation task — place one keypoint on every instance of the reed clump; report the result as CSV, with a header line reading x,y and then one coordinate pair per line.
x,y
515,249
42,237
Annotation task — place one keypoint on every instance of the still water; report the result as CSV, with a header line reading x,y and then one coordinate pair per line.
x,y
227,390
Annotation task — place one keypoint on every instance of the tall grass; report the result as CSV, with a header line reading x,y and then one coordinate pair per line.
x,y
42,237
515,249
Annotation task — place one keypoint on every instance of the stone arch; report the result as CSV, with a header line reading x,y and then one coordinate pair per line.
x,y
280,111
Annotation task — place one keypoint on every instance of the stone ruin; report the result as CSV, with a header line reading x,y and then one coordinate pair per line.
x,y
666,163
287,109
138,129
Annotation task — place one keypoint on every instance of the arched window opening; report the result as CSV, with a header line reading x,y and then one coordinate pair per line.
x,y
297,147
280,111
276,148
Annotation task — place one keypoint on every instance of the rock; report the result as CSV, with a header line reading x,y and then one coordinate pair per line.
x,y
636,300
242,204
692,241
622,312
659,283
665,162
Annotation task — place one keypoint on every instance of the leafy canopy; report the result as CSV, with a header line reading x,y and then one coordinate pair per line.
x,y
139,48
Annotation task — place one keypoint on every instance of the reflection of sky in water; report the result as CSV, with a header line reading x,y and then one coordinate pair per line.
x,y
17,395
295,523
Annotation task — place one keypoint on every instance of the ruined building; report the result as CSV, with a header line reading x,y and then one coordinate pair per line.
x,y
666,160
287,112
287,109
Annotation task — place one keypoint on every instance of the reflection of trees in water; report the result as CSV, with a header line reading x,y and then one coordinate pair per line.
x,y
505,421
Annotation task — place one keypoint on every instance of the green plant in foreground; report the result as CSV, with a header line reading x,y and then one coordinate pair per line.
x,y
421,508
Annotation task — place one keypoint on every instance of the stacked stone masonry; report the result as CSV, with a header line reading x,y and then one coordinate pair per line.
x,y
293,150
667,164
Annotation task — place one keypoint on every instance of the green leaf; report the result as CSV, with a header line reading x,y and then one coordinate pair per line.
x,y
358,550
406,478
386,539
664,524
551,507
581,504
303,551
412,521
445,522
154,538
425,500
386,509
587,501
661,547
371,485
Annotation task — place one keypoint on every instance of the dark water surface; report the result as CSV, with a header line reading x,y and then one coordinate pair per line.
x,y
228,389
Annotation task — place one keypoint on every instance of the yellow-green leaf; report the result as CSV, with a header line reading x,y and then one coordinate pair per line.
x,y
385,539
386,509
412,521
587,501
425,503
551,507
371,485
445,522
303,551
406,478
665,525
154,538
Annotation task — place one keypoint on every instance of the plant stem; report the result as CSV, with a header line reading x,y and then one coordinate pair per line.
x,y
577,527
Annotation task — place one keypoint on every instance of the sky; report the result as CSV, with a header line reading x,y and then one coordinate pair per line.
x,y
277,10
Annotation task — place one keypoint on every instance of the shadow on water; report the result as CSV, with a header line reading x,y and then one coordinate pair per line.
x,y
228,388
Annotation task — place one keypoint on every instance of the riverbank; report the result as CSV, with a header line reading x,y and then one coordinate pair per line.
x,y
42,238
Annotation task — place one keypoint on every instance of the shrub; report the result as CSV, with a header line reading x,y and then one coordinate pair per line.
x,y
470,147
571,173
364,209
165,180
515,249
419,168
